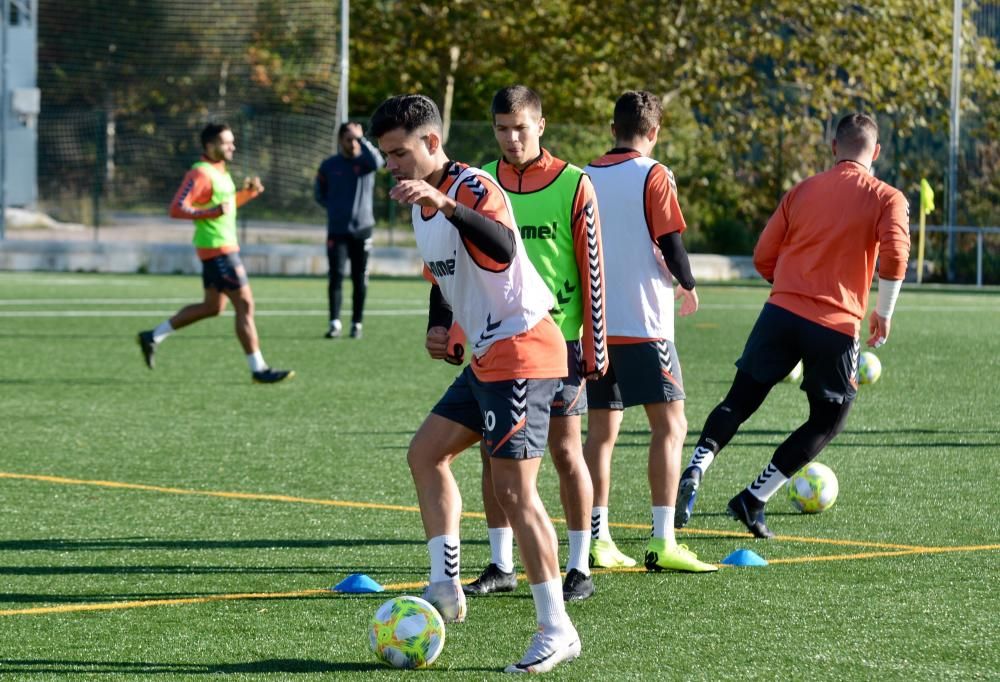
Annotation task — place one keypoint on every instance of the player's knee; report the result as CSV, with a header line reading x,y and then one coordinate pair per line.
x,y
828,417
672,428
418,456
570,464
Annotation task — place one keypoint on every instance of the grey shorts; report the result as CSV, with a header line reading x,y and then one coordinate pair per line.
x,y
512,416
224,273
571,394
638,374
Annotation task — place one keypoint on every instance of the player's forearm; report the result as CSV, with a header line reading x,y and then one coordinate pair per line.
x,y
590,265
677,260
184,211
189,202
245,195
439,313
888,292
371,157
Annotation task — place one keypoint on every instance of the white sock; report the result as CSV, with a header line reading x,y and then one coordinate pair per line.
x,y
599,524
702,458
663,524
502,548
768,483
444,551
256,361
579,551
549,606
164,330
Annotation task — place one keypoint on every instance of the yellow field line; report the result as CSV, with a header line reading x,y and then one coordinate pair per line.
x,y
143,603
400,587
478,515
208,493
786,538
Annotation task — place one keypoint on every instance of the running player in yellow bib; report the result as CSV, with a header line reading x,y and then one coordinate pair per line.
x,y
208,197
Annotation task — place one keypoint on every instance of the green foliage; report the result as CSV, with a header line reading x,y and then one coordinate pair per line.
x,y
752,90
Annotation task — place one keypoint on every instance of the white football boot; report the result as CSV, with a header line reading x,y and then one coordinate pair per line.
x,y
448,598
548,650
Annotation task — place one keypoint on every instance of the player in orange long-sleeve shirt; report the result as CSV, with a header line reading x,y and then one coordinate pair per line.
x,y
819,252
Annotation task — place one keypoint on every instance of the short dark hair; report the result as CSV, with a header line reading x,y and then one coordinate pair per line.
x,y
636,113
342,129
409,112
515,99
856,132
211,133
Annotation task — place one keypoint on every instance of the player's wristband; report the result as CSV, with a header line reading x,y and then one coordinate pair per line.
x,y
456,355
888,292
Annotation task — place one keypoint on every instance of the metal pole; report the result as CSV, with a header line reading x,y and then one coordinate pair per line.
x,y
345,69
956,89
979,258
4,85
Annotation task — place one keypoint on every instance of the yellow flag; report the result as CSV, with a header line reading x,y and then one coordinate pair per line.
x,y
926,197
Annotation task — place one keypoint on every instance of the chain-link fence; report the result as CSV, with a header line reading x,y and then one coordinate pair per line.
x,y
127,88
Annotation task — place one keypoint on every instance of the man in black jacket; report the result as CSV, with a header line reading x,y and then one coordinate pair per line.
x,y
345,184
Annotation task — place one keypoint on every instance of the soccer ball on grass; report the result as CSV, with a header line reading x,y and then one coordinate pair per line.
x,y
869,368
813,488
406,632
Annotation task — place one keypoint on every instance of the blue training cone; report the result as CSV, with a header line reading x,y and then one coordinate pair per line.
x,y
744,557
357,583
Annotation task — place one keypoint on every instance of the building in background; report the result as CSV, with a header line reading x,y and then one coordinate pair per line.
x,y
21,102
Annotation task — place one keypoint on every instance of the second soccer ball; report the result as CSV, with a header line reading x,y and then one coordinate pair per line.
x,y
869,368
813,488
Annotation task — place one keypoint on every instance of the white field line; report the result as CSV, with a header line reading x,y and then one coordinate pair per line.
x,y
167,313
171,301
306,312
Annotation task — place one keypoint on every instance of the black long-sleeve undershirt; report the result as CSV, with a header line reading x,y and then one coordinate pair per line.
x,y
439,312
492,238
677,260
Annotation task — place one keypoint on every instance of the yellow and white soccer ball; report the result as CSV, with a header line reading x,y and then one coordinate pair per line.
x,y
406,632
795,375
869,368
813,488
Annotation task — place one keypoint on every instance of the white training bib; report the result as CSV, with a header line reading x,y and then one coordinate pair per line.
x,y
489,306
640,299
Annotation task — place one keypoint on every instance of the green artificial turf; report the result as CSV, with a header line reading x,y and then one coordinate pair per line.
x,y
897,581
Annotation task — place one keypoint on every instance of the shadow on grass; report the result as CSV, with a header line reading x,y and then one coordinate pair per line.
x,y
153,569
129,669
136,543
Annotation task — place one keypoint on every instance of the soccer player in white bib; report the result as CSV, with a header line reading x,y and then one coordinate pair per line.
x,y
483,281
641,226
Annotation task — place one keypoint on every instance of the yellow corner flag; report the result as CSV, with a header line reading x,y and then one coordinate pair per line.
x,y
926,206
926,197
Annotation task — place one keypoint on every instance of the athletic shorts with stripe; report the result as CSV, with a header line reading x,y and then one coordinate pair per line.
x,y
512,416
571,394
638,374
781,338
224,273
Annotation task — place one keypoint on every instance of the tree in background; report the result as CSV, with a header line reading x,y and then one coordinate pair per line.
x,y
751,90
